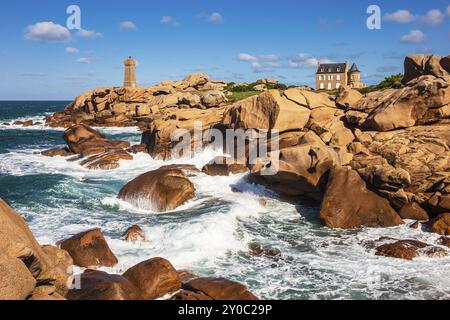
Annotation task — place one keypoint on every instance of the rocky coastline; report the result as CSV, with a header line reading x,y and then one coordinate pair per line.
x,y
372,160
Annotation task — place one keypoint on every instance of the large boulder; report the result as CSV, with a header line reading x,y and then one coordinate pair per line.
x,y
268,111
134,234
413,211
155,278
347,203
425,64
99,285
17,283
89,249
159,190
348,97
441,224
301,170
220,289
79,134
23,262
404,249
425,100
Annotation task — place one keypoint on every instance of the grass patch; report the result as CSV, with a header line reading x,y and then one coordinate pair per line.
x,y
241,95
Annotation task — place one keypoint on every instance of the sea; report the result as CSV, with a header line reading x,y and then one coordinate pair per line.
x,y
210,234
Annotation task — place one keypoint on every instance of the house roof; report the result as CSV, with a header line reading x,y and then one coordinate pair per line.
x,y
331,68
354,68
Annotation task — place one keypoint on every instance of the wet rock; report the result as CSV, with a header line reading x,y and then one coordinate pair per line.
x,y
439,203
138,148
107,160
89,249
440,224
134,234
189,169
81,134
160,190
57,152
409,249
99,285
415,225
444,241
347,203
155,278
413,211
259,250
220,289
224,166
189,295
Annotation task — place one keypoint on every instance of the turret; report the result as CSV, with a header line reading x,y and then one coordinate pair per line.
x,y
130,73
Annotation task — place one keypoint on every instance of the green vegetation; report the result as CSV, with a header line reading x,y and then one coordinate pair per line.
x,y
387,83
241,95
231,86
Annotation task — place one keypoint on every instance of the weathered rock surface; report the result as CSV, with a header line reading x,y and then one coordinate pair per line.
x,y
424,100
89,249
121,106
220,289
347,203
23,263
406,249
224,166
134,234
423,64
155,278
440,224
160,190
98,285
301,170
413,211
57,152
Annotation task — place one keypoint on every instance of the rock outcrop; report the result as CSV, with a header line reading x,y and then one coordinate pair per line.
x,y
134,234
155,278
224,166
219,289
423,64
347,203
440,224
119,106
24,265
89,249
405,249
160,190
99,285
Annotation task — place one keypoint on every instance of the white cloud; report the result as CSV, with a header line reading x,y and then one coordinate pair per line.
x,y
84,60
270,62
169,20
47,31
128,25
414,36
400,16
433,17
71,50
304,60
89,34
247,57
214,17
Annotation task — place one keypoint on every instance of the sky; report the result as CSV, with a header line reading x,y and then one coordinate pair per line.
x,y
239,41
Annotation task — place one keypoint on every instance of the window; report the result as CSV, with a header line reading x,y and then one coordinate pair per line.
x,y
329,69
338,77
321,78
338,69
322,86
321,69
330,77
338,85
329,86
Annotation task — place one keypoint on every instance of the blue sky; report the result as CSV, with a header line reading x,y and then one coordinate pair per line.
x,y
228,39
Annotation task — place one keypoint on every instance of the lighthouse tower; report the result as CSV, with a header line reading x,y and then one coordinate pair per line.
x,y
130,73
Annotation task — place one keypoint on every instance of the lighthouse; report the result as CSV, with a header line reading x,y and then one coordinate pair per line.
x,y
130,73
